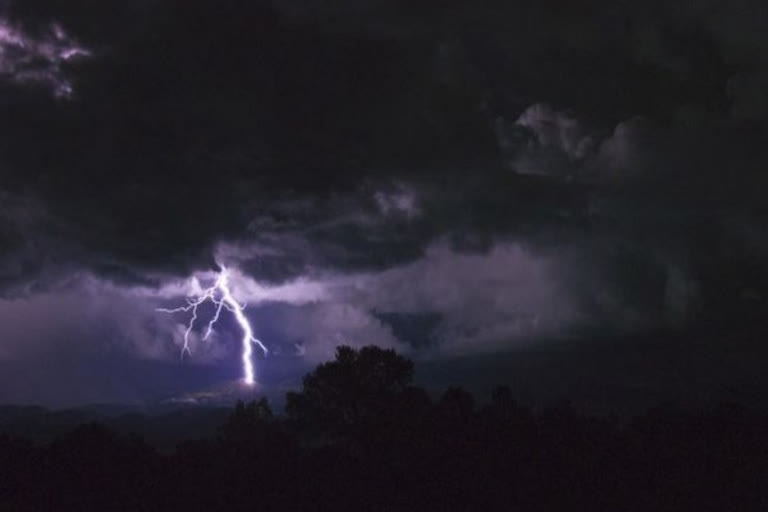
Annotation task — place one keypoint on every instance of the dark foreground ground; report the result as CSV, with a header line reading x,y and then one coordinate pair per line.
x,y
359,436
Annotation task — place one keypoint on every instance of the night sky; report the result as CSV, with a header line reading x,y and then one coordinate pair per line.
x,y
569,199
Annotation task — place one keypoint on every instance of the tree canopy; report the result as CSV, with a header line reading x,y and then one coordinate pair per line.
x,y
355,389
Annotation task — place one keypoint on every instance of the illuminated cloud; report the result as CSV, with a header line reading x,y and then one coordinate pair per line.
x,y
400,201
27,58
556,130
544,141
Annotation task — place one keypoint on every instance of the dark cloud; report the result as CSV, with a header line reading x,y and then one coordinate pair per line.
x,y
502,171
38,58
190,120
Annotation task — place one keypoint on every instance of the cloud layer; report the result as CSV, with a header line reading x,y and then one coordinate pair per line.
x,y
442,179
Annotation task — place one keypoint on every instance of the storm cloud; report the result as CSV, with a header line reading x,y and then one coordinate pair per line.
x,y
496,175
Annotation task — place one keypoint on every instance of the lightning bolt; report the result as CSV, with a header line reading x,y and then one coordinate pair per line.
x,y
220,295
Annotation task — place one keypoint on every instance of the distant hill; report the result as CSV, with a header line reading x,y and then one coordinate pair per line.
x,y
162,425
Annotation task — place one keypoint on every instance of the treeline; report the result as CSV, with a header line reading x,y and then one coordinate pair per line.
x,y
358,436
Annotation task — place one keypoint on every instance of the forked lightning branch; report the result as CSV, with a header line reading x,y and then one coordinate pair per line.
x,y
220,295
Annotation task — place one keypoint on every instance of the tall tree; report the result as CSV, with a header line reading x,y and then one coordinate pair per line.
x,y
356,389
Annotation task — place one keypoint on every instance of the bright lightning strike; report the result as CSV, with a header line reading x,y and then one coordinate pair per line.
x,y
221,297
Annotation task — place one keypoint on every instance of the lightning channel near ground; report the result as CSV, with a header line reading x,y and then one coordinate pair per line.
x,y
220,295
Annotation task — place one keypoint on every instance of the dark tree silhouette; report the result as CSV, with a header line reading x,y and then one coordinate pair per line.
x,y
361,437
246,421
456,405
357,389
